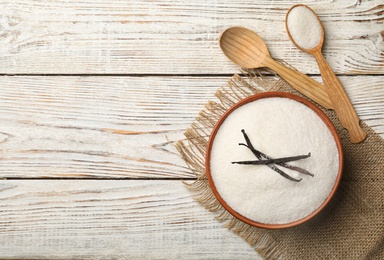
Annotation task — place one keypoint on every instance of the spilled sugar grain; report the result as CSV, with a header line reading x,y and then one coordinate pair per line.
x,y
279,127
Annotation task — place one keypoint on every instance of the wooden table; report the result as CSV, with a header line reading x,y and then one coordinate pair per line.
x,y
94,95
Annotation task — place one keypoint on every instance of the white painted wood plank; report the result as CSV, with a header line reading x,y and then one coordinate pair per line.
x,y
173,37
118,127
108,127
110,219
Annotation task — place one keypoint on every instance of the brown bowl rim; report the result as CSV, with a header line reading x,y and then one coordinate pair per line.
x,y
255,97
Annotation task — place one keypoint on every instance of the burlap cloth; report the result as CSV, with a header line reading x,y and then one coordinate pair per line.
x,y
350,227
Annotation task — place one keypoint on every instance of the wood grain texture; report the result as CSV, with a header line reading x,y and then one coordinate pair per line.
x,y
119,127
176,37
110,219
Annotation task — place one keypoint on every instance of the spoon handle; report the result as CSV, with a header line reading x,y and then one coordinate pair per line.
x,y
301,82
341,103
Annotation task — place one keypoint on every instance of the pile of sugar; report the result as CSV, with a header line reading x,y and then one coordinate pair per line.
x,y
304,27
278,127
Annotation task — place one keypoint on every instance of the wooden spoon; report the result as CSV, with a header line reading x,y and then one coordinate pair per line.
x,y
245,48
340,101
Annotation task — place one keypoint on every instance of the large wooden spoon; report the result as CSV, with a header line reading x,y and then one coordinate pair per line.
x,y
245,48
301,21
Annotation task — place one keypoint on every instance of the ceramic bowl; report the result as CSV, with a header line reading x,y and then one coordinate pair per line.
x,y
255,97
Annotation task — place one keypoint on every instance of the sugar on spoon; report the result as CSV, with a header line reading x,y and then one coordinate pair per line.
x,y
246,49
306,32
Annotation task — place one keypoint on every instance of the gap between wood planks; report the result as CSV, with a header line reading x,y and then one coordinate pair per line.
x,y
127,75
162,75
101,178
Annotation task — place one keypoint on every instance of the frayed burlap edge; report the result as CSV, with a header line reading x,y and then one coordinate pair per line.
x,y
193,152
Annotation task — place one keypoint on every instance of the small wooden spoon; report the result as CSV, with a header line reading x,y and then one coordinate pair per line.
x,y
341,103
245,48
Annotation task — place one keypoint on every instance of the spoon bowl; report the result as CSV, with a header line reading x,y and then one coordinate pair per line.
x,y
244,47
295,28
